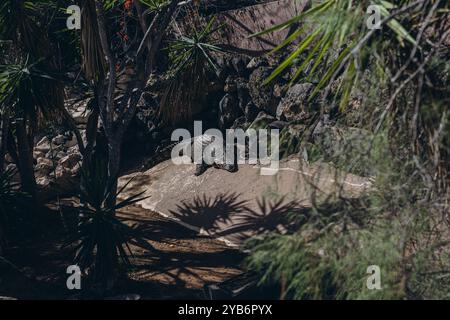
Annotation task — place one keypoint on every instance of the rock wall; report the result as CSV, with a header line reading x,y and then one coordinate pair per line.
x,y
240,24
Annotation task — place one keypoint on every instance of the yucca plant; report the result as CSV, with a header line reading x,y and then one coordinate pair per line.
x,y
192,58
19,93
101,238
26,88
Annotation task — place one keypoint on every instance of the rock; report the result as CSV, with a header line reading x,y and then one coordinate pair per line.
x,y
239,123
61,172
43,145
53,154
70,160
75,169
251,112
279,90
295,106
80,117
43,182
45,161
262,121
59,139
280,125
43,169
242,93
203,202
73,149
229,110
59,155
71,142
239,64
230,85
255,63
262,95
38,154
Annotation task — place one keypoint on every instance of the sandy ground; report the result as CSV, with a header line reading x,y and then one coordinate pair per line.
x,y
230,206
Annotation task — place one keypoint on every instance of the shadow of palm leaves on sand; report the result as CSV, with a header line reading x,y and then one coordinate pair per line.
x,y
227,215
206,213
270,216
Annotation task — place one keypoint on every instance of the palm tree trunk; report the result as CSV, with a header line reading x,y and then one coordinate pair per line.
x,y
114,150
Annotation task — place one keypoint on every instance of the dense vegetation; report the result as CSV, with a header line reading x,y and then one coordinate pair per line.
x,y
393,83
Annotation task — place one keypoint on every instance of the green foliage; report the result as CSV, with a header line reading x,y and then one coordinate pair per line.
x,y
391,128
27,72
154,5
191,57
21,90
338,44
193,49
328,257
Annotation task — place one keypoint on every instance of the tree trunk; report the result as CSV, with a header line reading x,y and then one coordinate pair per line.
x,y
114,150
25,153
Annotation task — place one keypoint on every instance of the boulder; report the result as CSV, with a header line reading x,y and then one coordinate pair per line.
x,y
295,106
228,205
262,95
